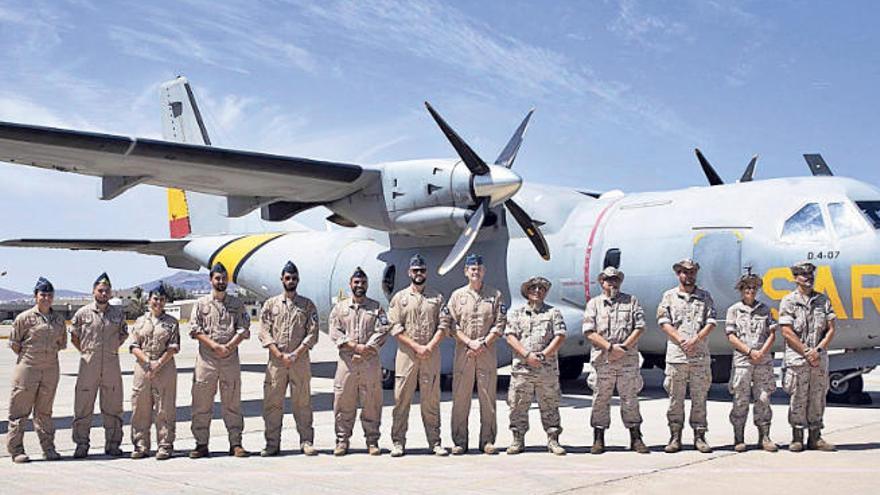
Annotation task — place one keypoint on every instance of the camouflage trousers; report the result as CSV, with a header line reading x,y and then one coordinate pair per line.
x,y
679,378
749,383
602,380
524,387
807,386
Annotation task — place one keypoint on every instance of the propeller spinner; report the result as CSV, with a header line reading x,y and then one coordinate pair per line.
x,y
491,185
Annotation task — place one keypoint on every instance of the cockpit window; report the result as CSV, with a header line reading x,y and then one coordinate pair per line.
x,y
871,209
805,225
845,220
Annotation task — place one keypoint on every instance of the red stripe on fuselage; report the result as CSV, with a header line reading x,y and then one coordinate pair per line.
x,y
590,249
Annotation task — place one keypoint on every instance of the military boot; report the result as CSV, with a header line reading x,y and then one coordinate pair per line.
x,y
308,449
51,454
373,449
764,441
797,440
81,452
816,442
113,450
270,451
553,445
341,449
140,453
636,444
598,441
518,445
163,453
739,438
397,450
674,444
200,451
700,442
21,458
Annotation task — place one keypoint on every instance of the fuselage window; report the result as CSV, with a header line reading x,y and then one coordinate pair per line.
x,y
845,220
871,209
805,225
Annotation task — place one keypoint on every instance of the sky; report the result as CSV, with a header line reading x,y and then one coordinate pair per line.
x,y
623,91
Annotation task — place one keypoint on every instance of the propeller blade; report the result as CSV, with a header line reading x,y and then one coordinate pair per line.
x,y
530,227
817,164
473,162
508,154
749,174
465,239
711,174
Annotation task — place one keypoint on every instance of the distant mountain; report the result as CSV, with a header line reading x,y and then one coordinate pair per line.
x,y
11,295
189,281
69,293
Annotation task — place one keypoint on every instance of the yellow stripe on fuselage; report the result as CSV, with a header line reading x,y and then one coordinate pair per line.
x,y
234,254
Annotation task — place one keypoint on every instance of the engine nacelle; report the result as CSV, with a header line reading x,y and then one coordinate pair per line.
x,y
419,197
432,221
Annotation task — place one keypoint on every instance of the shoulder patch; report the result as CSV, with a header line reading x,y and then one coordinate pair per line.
x,y
503,309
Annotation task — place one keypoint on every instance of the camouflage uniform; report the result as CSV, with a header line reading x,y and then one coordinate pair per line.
x,y
418,316
35,377
221,321
688,313
358,381
156,395
476,314
807,385
100,333
752,326
615,320
288,324
535,329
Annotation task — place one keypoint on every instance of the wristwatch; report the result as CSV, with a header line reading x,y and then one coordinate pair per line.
x,y
541,356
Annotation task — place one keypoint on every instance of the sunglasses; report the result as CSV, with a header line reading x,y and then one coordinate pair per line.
x,y
419,270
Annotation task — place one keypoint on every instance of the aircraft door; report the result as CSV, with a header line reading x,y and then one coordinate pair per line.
x,y
719,254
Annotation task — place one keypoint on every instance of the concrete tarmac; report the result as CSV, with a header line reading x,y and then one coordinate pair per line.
x,y
853,469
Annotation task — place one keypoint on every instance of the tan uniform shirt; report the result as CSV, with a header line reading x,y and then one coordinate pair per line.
x,y
221,321
476,314
154,335
535,329
416,314
289,324
359,323
688,313
753,326
40,337
808,316
99,332
614,320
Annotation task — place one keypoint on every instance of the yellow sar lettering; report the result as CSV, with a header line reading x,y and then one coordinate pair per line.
x,y
825,283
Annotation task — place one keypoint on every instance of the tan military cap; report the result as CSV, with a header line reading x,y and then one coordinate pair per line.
x,y
802,268
749,280
685,264
536,280
610,272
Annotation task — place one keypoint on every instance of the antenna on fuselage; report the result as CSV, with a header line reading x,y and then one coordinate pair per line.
x,y
817,164
715,179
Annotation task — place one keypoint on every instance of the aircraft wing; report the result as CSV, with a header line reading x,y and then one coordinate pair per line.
x,y
170,249
253,179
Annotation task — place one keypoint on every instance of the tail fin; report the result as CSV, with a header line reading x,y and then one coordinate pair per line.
x,y
194,213
182,122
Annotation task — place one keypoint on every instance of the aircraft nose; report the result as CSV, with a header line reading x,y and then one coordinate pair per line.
x,y
498,185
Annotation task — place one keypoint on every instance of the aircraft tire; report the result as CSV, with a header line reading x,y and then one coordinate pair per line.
x,y
570,368
843,392
387,379
721,368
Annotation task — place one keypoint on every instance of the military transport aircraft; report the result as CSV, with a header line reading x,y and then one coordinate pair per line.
x,y
445,208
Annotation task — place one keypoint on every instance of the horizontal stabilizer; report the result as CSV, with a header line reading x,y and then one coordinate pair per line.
x,y
171,250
